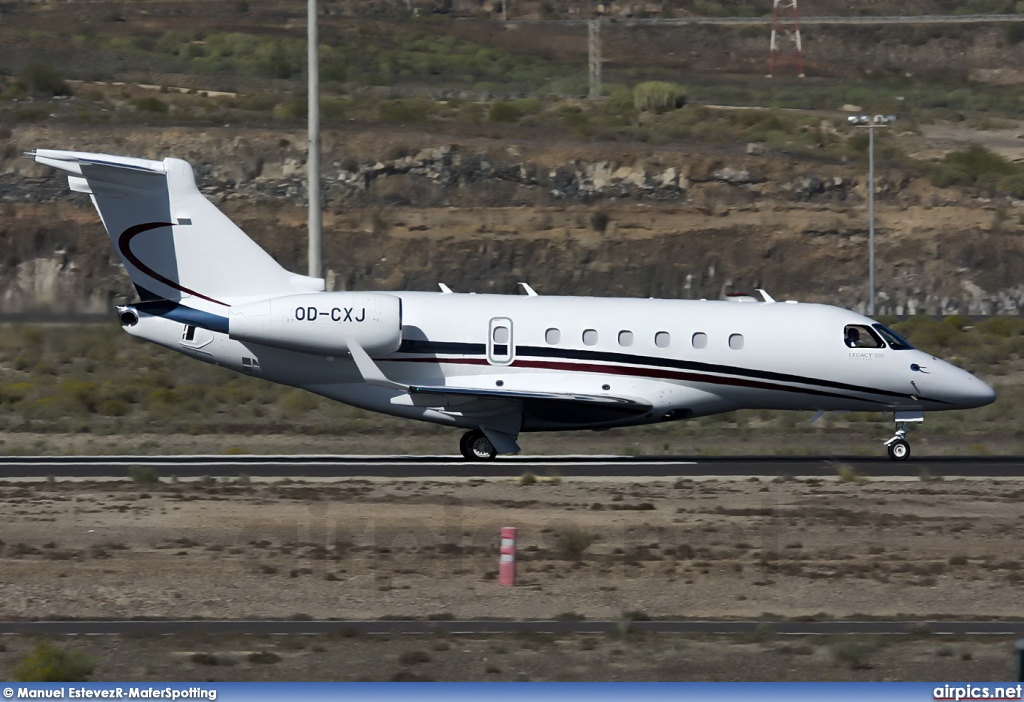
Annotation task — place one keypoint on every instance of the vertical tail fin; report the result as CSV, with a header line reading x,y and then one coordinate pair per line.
x,y
174,242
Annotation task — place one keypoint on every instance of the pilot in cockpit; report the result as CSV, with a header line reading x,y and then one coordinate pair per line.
x,y
852,337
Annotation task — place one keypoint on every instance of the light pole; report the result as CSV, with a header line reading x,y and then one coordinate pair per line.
x,y
313,152
871,124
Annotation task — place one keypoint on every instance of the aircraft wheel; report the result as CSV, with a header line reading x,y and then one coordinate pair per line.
x,y
464,447
480,447
899,450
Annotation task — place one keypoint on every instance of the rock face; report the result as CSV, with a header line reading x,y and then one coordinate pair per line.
x,y
409,212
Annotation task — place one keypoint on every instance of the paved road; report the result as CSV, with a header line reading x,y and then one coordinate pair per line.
x,y
807,20
453,467
478,626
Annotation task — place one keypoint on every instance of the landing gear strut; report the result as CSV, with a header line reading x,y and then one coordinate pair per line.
x,y
475,446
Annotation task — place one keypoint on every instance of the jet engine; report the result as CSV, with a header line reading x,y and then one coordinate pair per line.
x,y
321,323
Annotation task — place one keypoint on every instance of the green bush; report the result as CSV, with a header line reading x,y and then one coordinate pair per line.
x,y
527,478
47,663
292,109
411,110
658,96
851,653
974,165
504,112
621,102
42,79
414,656
1014,32
574,541
31,113
143,475
1012,185
150,104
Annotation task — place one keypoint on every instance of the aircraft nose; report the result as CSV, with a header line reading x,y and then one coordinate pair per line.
x,y
976,393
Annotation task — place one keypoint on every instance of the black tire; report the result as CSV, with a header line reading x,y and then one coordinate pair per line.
x,y
479,446
464,444
899,450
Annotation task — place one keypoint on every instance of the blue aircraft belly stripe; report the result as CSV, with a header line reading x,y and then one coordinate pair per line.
x,y
174,311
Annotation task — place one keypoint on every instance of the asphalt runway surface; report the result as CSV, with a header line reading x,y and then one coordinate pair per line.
x,y
12,467
480,626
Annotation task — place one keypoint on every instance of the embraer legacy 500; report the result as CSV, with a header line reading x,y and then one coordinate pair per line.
x,y
497,365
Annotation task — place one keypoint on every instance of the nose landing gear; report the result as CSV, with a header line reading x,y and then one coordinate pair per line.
x,y
898,446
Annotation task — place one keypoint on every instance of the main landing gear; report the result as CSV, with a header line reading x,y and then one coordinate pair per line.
x,y
476,446
898,446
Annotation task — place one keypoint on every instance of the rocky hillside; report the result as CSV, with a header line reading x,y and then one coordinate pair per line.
x,y
406,209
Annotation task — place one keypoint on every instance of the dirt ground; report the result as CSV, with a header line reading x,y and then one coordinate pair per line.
x,y
599,549
361,549
534,657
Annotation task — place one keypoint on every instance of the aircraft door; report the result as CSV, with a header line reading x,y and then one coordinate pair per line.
x,y
500,346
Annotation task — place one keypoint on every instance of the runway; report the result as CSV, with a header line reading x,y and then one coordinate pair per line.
x,y
482,627
413,467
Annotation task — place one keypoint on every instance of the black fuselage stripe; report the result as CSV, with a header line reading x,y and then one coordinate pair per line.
x,y
581,355
658,373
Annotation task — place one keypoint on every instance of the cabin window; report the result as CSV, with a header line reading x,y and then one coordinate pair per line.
x,y
662,340
700,340
735,342
590,337
501,335
625,338
861,336
552,336
895,341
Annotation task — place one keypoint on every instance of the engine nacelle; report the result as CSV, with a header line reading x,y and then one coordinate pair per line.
x,y
321,323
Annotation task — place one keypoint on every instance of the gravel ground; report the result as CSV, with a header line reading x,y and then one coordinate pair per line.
x,y
599,549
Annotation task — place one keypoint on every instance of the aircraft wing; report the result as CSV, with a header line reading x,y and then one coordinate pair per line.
x,y
373,375
602,400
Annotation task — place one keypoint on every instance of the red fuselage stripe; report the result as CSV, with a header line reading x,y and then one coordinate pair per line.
x,y
637,372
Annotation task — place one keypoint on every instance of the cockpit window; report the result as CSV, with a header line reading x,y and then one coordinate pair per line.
x,y
861,336
895,341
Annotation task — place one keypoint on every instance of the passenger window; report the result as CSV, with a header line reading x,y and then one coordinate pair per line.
x,y
861,336
735,342
552,336
662,340
700,340
625,338
501,335
590,337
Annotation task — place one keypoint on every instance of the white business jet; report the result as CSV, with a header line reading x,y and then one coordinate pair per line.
x,y
497,365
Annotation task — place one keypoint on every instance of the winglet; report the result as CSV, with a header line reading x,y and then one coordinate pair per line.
x,y
370,371
444,288
529,291
765,296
